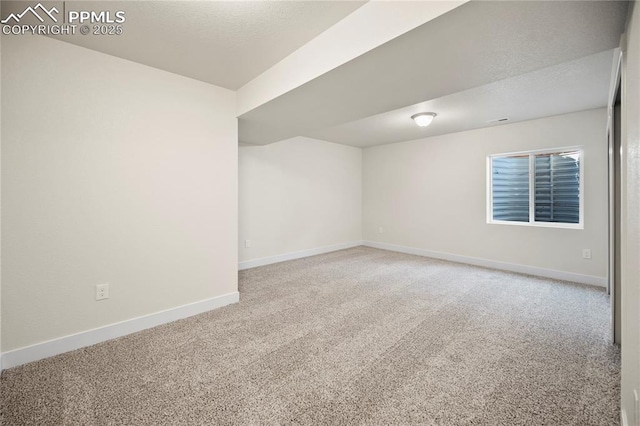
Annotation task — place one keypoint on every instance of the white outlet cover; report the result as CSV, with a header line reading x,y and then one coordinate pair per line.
x,y
102,291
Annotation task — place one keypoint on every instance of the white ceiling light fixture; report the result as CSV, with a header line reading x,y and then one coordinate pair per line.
x,y
423,119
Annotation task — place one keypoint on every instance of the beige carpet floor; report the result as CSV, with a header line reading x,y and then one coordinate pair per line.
x,y
359,336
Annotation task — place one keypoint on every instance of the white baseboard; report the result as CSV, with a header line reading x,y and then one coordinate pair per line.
x,y
97,335
512,267
296,255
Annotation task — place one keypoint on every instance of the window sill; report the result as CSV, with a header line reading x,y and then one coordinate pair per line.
x,y
538,224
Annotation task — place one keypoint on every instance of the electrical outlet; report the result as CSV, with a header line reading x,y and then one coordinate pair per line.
x,y
102,291
586,253
247,243
380,230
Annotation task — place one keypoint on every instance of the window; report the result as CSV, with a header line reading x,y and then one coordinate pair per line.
x,y
542,188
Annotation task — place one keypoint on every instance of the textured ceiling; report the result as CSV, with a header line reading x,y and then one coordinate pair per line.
x,y
572,86
474,45
482,60
226,43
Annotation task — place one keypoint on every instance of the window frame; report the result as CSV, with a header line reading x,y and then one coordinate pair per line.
x,y
532,219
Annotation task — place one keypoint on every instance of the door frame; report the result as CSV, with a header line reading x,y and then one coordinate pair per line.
x,y
612,290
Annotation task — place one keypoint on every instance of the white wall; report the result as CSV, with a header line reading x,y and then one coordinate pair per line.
x,y
298,194
631,218
112,172
430,194
0,210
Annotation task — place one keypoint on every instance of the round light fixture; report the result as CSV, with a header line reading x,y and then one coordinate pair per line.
x,y
423,119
